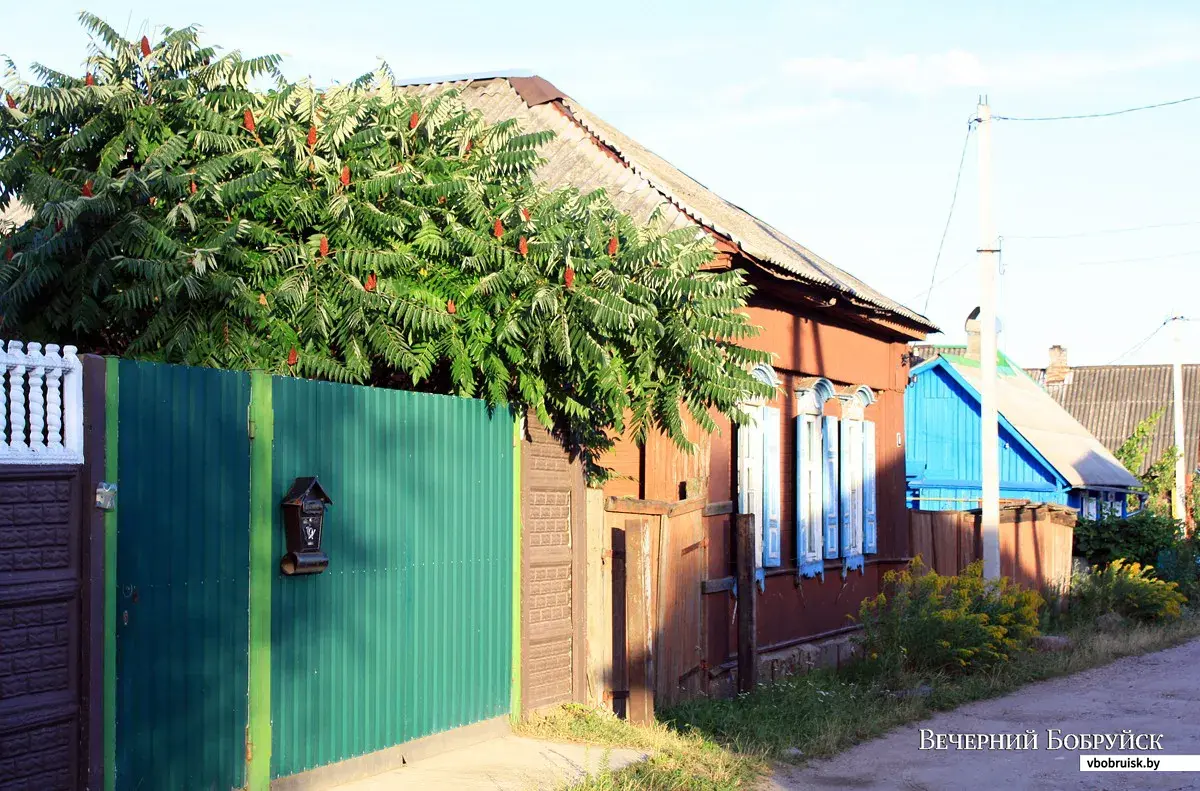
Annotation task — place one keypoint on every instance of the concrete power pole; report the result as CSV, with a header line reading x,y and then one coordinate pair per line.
x,y
990,430
1177,499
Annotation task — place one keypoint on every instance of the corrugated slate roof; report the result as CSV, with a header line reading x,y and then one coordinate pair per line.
x,y
927,351
639,181
1067,444
1111,400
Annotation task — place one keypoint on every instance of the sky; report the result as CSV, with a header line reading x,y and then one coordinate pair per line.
x,y
840,123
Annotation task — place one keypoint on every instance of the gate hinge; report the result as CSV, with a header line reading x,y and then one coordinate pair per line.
x,y
250,427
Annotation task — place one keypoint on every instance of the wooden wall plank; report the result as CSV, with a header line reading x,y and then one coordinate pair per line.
x,y
639,636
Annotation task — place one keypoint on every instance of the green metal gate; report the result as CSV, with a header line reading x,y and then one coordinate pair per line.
x,y
182,578
408,632
227,673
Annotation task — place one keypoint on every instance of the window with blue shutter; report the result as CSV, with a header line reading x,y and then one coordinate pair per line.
x,y
772,522
801,425
850,495
829,440
809,498
870,528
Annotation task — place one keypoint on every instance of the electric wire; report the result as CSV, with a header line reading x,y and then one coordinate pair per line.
x,y
1140,344
949,216
1107,231
1095,115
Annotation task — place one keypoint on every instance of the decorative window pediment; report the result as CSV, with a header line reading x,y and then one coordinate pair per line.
x,y
854,401
812,393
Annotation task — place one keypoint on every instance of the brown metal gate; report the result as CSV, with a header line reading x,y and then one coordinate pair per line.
x,y
51,615
553,517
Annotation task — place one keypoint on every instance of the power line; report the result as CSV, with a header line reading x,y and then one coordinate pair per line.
x,y
1138,346
945,279
953,201
1094,115
1109,261
1107,231
1135,260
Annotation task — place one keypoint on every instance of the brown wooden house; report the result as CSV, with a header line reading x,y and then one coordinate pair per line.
x,y
840,366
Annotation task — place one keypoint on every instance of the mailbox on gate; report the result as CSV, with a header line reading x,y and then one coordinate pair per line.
x,y
303,523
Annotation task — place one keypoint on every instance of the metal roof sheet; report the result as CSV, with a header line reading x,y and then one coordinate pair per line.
x,y
639,181
1077,455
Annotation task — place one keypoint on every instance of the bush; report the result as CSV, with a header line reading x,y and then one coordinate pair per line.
x,y
1128,589
925,622
1137,538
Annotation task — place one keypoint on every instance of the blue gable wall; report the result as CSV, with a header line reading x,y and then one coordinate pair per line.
x,y
942,457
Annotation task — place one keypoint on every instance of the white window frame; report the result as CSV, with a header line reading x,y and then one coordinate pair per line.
x,y
810,482
752,466
854,400
1089,506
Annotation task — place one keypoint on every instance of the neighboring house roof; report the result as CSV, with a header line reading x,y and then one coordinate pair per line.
x,y
928,351
1111,400
1049,429
588,153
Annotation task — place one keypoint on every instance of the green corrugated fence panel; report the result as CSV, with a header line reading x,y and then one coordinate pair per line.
x,y
182,576
408,632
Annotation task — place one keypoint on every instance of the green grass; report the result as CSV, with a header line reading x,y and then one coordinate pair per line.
x,y
678,760
714,745
823,713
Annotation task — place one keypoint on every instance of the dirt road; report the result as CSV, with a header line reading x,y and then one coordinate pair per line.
x,y
1152,694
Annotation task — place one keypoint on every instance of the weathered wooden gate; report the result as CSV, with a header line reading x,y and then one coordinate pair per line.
x,y
646,612
553,515
50,555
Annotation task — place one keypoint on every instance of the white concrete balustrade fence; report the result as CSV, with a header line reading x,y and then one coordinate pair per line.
x,y
41,404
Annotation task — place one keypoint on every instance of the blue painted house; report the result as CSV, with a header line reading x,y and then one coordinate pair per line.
x,y
1045,454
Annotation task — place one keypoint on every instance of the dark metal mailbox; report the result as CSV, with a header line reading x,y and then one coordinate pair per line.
x,y
303,522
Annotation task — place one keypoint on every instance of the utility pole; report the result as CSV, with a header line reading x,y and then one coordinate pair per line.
x,y
1177,499
990,430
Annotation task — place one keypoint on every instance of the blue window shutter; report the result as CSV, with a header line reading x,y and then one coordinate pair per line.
x,y
772,523
870,520
801,492
845,489
829,441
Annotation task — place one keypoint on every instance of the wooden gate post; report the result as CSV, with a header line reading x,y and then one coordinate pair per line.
x,y
747,604
639,614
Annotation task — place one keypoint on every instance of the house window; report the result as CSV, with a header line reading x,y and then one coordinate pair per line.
x,y
835,479
1089,507
810,492
759,475
857,525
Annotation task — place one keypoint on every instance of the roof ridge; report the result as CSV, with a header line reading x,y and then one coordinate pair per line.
x,y
692,202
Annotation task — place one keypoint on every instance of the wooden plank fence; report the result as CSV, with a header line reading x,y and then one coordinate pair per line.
x,y
1035,542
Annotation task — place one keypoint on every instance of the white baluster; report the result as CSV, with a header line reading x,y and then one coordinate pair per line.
x,y
37,398
16,397
73,405
54,372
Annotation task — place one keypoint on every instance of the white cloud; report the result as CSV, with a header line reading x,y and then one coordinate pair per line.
x,y
928,73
